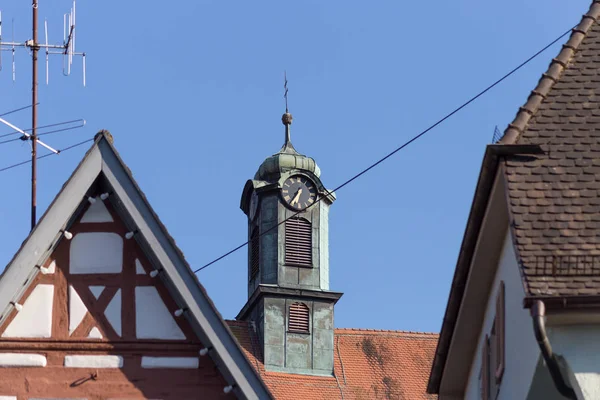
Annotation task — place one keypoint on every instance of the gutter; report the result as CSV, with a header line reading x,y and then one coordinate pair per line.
x,y
564,302
538,311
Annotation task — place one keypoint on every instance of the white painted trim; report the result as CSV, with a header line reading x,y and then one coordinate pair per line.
x,y
8,397
93,361
22,360
170,362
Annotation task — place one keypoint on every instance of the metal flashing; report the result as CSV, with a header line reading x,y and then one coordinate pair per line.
x,y
276,291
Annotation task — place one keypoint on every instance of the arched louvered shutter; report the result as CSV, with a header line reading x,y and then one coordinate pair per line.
x,y
254,250
299,317
298,242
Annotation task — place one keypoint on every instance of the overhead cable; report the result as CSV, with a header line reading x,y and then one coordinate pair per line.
x,y
396,150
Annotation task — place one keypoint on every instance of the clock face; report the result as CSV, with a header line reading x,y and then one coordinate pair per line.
x,y
299,192
253,206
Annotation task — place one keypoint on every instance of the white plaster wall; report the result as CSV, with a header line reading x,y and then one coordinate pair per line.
x,y
97,291
85,361
97,212
22,360
580,347
77,309
170,362
96,253
152,317
113,312
95,334
35,319
139,269
522,351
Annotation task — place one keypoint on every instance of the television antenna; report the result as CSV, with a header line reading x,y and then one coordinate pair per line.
x,y
68,52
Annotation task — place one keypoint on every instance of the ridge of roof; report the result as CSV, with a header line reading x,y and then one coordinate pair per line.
x,y
350,331
354,331
551,76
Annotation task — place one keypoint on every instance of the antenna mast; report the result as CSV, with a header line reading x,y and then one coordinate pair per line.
x,y
67,50
34,96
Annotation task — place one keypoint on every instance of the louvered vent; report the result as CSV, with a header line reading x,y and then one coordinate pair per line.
x,y
298,318
254,249
298,242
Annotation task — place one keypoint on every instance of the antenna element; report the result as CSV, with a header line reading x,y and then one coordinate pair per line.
x,y
67,50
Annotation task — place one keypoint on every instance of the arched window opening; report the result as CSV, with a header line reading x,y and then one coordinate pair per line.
x,y
298,242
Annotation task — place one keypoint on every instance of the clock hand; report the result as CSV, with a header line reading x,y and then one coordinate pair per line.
x,y
296,197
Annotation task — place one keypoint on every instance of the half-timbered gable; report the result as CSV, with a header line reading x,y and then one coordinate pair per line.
x,y
99,303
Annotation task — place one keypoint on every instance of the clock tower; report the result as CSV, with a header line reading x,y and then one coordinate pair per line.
x,y
289,301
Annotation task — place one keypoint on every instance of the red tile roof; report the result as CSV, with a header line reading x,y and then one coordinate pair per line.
x,y
369,364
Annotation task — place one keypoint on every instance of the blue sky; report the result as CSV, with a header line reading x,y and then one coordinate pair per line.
x,y
193,96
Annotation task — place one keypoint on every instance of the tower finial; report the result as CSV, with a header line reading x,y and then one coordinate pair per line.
x,y
285,90
287,117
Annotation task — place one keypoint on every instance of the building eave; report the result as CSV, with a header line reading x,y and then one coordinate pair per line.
x,y
479,206
566,303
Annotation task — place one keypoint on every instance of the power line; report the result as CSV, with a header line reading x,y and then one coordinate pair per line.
x,y
364,171
47,155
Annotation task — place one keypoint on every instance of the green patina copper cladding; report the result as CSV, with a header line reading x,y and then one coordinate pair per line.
x,y
284,161
276,286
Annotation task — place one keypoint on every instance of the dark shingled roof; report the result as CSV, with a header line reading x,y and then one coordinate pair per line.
x,y
555,197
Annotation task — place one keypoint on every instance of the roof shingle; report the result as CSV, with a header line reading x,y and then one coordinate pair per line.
x,y
555,198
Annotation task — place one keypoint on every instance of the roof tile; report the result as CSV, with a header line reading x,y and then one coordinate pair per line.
x,y
554,198
369,364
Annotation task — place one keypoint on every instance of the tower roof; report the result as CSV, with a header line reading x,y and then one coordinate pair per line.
x,y
286,159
